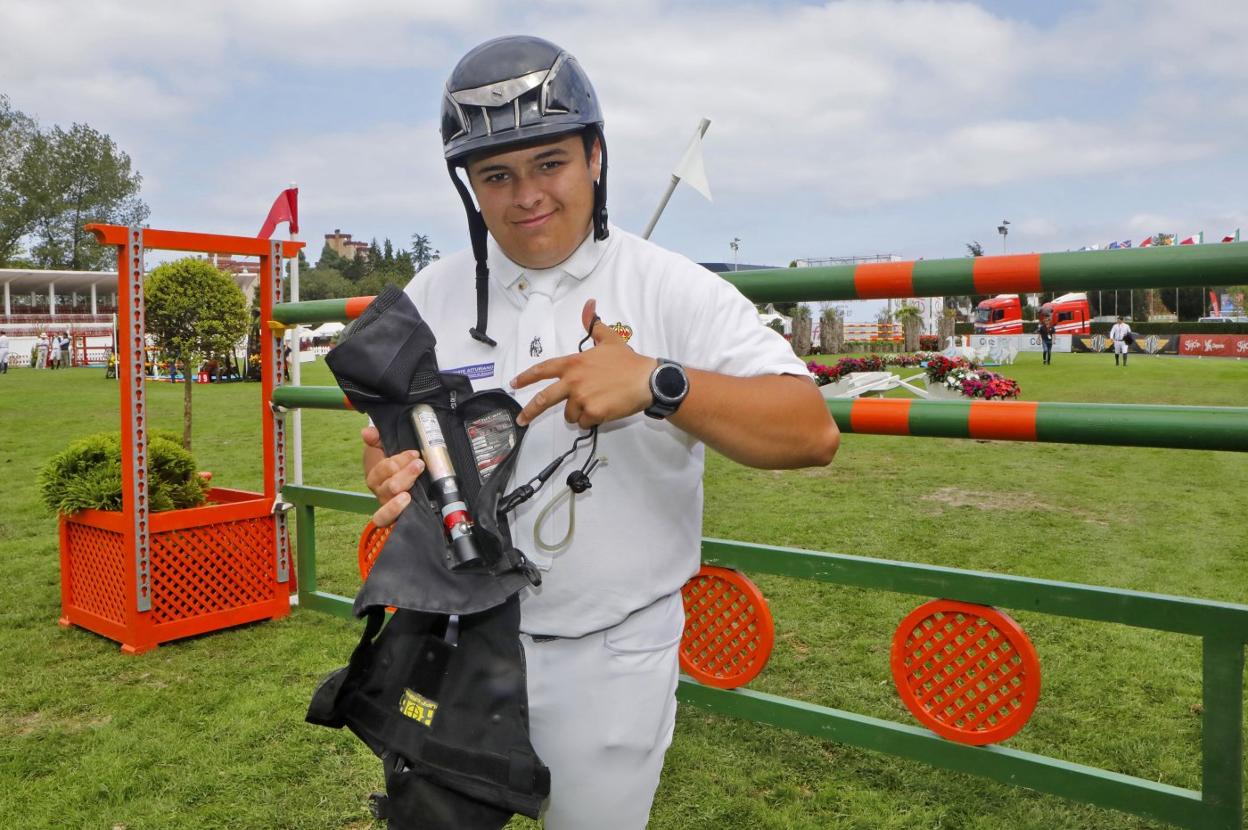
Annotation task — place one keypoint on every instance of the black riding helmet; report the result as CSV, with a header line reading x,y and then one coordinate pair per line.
x,y
511,91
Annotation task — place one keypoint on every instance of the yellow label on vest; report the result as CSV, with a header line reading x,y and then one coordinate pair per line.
x,y
418,708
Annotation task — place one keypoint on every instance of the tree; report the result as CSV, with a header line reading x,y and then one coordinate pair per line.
x,y
194,311
356,268
375,258
973,249
324,284
831,330
911,324
801,330
422,251
72,177
17,132
377,281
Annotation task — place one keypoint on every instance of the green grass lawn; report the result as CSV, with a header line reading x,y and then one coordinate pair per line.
x,y
209,732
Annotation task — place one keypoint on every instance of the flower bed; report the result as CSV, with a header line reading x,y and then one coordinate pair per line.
x,y
980,383
956,374
824,374
971,380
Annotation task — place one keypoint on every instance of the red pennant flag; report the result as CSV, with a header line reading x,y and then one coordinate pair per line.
x,y
285,209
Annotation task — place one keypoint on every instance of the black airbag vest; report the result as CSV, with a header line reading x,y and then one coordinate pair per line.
x,y
448,715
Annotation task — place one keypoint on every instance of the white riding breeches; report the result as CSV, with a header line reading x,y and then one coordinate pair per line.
x,y
602,709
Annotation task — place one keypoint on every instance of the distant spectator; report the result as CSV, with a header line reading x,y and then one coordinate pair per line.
x,y
1045,330
4,353
67,344
1122,337
41,353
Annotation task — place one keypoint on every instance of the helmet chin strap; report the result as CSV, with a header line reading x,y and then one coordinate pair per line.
x,y
476,232
600,190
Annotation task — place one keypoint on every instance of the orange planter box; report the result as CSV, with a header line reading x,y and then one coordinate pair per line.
x,y
211,567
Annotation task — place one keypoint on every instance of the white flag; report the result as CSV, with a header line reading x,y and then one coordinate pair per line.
x,y
691,170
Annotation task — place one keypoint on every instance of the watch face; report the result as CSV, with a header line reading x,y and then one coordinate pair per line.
x,y
670,382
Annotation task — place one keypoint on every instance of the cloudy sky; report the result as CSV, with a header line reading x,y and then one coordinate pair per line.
x,y
837,129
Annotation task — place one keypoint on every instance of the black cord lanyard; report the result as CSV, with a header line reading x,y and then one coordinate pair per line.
x,y
578,480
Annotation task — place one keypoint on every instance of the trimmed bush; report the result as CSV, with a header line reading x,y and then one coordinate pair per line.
x,y
87,474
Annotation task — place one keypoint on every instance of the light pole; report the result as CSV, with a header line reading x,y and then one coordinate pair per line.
x,y
735,244
1004,230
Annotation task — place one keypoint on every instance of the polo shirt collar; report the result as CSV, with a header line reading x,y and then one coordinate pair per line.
x,y
580,264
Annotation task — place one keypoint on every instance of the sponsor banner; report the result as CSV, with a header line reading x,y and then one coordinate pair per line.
x,y
1214,345
1144,343
1025,342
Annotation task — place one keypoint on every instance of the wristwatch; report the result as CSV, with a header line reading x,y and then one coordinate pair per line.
x,y
668,386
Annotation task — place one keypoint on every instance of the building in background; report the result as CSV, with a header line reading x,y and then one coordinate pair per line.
x,y
84,303
341,244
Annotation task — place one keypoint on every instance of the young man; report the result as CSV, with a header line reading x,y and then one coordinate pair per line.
x,y
1120,333
676,359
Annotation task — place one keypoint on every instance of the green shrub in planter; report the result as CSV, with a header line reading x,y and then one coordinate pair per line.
x,y
87,474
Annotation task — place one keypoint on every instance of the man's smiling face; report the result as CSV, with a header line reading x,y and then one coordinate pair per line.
x,y
538,200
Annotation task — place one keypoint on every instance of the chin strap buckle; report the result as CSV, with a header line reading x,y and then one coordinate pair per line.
x,y
482,337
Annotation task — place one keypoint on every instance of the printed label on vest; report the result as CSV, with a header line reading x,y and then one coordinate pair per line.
x,y
417,707
492,436
475,372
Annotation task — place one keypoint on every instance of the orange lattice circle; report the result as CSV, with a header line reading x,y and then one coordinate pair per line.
x,y
729,632
372,540
967,672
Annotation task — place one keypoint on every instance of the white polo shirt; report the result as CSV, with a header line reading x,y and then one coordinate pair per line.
x,y
638,529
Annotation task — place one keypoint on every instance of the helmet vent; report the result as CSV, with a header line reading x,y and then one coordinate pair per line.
x,y
503,92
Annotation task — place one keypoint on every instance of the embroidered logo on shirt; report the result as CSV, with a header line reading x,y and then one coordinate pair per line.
x,y
624,330
535,348
474,372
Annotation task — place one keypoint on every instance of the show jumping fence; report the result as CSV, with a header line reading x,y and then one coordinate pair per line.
x,y
1222,627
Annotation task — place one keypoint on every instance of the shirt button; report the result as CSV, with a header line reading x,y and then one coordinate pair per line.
x,y
524,286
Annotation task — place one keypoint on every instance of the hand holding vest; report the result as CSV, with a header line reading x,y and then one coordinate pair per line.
x,y
385,364
441,699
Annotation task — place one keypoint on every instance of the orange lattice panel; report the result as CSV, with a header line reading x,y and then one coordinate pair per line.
x,y
967,672
210,568
372,540
729,632
97,573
